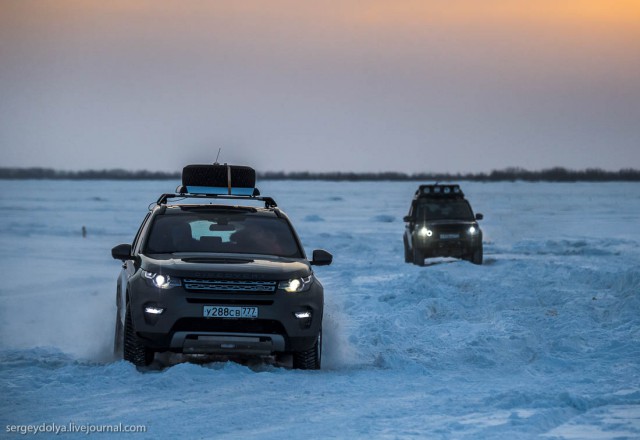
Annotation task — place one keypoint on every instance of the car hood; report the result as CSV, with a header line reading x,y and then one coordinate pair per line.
x,y
225,266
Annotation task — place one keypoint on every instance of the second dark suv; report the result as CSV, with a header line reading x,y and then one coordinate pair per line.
x,y
214,278
441,223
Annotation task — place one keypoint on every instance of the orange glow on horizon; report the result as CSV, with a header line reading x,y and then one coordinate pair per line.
x,y
584,25
505,11
372,12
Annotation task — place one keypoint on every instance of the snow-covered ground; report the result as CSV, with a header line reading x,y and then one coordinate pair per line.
x,y
542,341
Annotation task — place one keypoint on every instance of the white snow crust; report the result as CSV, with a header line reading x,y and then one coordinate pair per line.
x,y
542,341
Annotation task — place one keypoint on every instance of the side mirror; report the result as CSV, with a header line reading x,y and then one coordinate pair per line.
x,y
321,258
121,252
407,218
479,216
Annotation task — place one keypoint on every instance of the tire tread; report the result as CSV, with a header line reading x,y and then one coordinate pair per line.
x,y
133,349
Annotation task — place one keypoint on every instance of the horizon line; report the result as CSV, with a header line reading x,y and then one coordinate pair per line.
x,y
559,174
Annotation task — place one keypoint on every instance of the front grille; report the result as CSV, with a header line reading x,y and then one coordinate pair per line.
x,y
230,285
456,229
231,302
228,325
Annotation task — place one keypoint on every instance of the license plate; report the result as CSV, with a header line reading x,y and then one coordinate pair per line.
x,y
449,236
229,312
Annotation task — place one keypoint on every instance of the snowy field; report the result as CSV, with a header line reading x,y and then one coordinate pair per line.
x,y
542,341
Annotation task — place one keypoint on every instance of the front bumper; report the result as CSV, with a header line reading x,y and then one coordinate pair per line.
x,y
223,343
436,247
183,328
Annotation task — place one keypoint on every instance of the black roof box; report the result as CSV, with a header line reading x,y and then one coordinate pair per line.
x,y
219,179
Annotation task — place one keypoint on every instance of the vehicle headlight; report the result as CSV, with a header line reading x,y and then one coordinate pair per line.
x,y
473,230
425,232
296,284
161,281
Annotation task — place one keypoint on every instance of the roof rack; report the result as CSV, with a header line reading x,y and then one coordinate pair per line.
x,y
269,202
451,191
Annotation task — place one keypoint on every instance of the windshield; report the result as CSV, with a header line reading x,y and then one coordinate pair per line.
x,y
444,210
221,233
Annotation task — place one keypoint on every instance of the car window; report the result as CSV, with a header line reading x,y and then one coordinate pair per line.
x,y
222,233
444,210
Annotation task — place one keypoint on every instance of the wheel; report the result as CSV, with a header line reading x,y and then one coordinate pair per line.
x,y
407,254
418,257
117,338
476,257
309,359
134,350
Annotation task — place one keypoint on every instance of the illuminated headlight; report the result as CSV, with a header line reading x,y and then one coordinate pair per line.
x,y
296,284
161,281
425,232
473,230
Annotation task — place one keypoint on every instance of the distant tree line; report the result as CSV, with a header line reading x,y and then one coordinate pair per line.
x,y
114,174
557,174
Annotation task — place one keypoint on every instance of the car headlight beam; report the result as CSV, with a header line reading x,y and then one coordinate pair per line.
x,y
425,232
161,281
296,285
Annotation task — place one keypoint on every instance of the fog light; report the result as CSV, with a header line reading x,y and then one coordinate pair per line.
x,y
303,315
154,310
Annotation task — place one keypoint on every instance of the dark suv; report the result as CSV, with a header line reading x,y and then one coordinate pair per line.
x,y
212,278
441,223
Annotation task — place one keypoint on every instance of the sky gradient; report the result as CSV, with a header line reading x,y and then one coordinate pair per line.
x,y
413,86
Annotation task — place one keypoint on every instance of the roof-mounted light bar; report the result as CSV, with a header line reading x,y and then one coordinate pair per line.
x,y
437,190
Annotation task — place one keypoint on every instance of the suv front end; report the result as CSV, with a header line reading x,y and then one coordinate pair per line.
x,y
218,278
230,309
441,223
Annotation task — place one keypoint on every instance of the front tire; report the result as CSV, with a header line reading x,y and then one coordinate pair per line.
x,y
118,338
418,257
134,350
310,359
407,253
476,257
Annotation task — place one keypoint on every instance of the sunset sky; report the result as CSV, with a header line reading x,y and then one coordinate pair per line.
x,y
414,86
